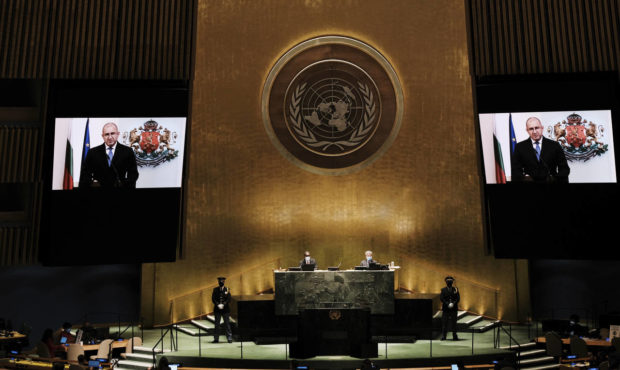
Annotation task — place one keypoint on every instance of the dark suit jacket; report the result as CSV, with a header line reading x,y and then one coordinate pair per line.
x,y
221,295
303,262
122,173
449,295
551,167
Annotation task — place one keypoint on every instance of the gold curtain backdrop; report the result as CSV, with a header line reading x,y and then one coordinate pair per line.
x,y
249,210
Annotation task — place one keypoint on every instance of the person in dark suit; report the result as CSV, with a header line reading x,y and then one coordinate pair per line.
x,y
538,158
221,300
307,260
450,298
98,170
366,262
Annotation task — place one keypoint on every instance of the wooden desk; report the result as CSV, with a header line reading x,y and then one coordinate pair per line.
x,y
15,336
115,344
589,342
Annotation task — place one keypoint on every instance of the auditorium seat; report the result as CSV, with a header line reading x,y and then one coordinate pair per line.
x,y
133,342
615,342
104,350
74,350
578,347
554,345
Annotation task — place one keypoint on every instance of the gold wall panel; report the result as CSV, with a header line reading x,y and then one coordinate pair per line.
x,y
418,205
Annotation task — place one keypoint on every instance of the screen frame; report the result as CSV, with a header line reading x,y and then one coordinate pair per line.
x,y
510,231
121,98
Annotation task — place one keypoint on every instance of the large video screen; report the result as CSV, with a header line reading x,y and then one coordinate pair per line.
x,y
585,139
114,160
548,164
147,152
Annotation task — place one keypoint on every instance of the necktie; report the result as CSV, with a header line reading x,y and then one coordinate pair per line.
x,y
537,150
110,155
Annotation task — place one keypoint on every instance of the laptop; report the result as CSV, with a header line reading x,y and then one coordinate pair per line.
x,y
374,266
296,268
361,268
308,267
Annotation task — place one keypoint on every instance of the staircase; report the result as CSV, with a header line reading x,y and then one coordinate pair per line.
x,y
466,321
204,327
532,357
140,359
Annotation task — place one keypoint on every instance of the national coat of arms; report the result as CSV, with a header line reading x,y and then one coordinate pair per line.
x,y
580,139
332,105
151,143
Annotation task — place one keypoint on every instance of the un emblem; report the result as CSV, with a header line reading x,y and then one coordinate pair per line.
x,y
332,105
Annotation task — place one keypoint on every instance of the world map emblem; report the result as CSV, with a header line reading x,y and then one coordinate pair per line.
x,y
332,105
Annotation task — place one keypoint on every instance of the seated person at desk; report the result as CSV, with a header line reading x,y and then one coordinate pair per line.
x,y
307,260
64,332
574,328
89,333
46,347
366,262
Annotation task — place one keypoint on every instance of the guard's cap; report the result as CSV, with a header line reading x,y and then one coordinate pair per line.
x,y
449,278
221,278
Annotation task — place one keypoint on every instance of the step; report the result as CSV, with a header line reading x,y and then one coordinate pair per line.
x,y
186,330
544,367
439,313
134,365
532,352
148,350
139,357
521,346
212,319
469,320
203,324
535,360
485,325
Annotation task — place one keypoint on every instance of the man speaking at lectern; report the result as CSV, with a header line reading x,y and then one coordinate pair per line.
x,y
110,164
539,158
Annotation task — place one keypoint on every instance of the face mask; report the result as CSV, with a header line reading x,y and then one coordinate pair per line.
x,y
221,283
449,282
368,258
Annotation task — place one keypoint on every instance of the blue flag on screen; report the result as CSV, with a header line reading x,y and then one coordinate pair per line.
x,y
513,138
86,146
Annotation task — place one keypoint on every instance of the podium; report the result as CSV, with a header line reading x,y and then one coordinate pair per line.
x,y
334,332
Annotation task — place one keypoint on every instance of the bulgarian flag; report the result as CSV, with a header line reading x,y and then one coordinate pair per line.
x,y
500,173
67,181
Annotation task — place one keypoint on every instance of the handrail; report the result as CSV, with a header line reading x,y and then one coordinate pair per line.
x,y
436,274
211,286
197,302
445,273
512,339
173,343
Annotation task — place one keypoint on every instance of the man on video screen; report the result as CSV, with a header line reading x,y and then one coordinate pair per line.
x,y
110,164
538,158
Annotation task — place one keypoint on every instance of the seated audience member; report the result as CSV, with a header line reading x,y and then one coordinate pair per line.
x,y
64,332
46,347
574,328
89,333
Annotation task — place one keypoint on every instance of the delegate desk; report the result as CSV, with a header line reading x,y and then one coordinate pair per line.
x,y
589,342
116,344
349,289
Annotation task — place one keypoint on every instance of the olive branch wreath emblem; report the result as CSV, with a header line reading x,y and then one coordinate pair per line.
x,y
356,137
